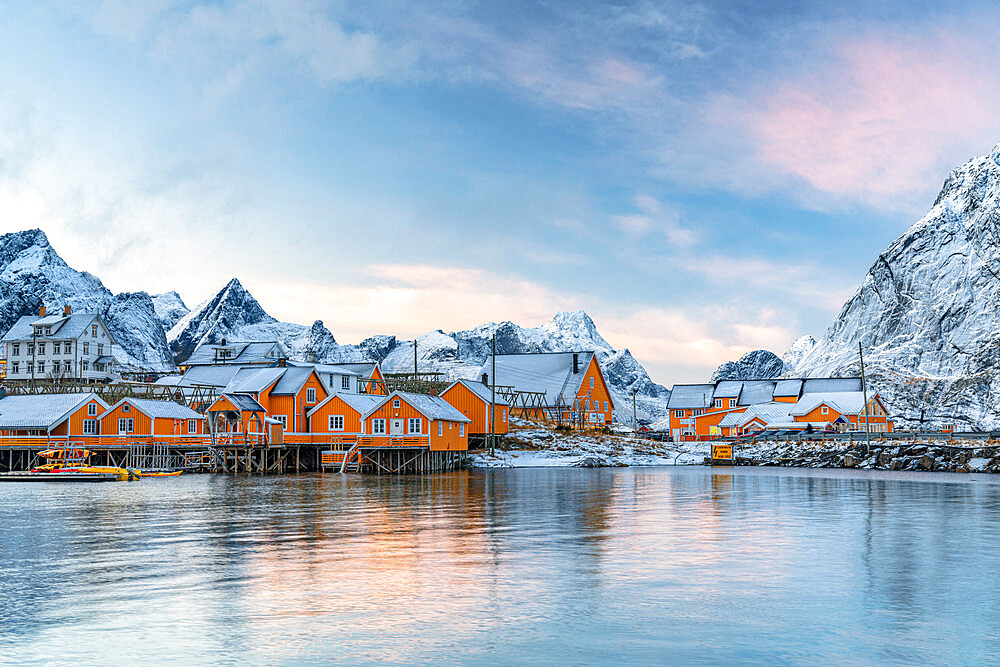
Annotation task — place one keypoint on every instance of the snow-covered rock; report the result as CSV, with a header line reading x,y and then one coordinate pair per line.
x,y
169,308
802,346
32,274
927,312
754,365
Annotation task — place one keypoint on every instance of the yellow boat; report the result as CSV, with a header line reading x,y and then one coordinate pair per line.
x,y
160,473
75,460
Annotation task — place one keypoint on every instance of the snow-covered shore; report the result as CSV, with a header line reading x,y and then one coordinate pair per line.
x,y
540,447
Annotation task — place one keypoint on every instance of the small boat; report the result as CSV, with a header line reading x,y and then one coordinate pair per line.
x,y
65,462
160,473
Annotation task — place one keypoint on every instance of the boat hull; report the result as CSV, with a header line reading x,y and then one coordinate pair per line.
x,y
58,477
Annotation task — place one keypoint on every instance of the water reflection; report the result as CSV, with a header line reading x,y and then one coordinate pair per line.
x,y
690,564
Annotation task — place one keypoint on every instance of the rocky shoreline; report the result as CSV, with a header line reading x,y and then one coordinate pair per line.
x,y
885,455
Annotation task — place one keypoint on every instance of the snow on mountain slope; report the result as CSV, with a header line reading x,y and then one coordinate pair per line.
x,y
754,365
927,311
169,308
802,346
32,274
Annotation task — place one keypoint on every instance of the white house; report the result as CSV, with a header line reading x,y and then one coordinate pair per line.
x,y
67,345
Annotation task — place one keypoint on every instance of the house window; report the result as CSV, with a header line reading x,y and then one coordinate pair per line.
x,y
698,412
605,406
41,366
13,368
345,382
378,426
48,331
413,425
678,413
395,403
92,409
86,348
283,419
732,402
125,425
824,410
336,422
86,365
31,368
41,348
310,395
126,408
461,429
56,348
16,349
505,415
69,347
90,426
100,348
718,403
591,383
93,330
440,428
192,426
31,348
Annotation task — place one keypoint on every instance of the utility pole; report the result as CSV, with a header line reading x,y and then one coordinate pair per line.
x,y
864,388
414,359
493,395
635,422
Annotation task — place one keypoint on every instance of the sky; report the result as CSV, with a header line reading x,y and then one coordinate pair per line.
x,y
703,179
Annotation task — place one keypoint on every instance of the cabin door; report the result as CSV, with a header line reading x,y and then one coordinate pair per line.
x,y
396,427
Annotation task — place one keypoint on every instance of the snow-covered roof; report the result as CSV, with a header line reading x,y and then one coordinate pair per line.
x,y
208,376
766,412
253,380
479,389
159,409
550,373
756,391
73,327
823,385
41,411
844,402
292,380
334,369
361,368
432,407
728,389
243,352
362,403
787,388
244,402
685,396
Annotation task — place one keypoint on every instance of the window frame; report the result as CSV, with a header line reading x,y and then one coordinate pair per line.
x,y
331,422
378,426
192,428
310,394
410,421
90,427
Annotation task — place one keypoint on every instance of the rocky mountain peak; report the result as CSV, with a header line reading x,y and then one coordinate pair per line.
x,y
754,365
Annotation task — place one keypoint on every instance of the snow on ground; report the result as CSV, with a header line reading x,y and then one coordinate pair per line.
x,y
543,447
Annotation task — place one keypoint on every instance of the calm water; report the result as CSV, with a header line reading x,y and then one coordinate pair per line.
x,y
561,566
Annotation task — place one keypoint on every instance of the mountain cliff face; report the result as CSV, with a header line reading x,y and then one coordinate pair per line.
x,y
169,309
32,274
928,312
755,365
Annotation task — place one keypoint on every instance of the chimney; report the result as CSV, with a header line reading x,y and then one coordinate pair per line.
x,y
576,363
41,311
67,311
281,363
223,342
486,379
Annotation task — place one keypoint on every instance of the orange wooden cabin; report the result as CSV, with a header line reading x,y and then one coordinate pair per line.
x,y
145,416
405,419
342,414
846,409
286,394
51,415
473,400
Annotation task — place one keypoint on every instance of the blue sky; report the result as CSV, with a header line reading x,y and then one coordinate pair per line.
x,y
702,178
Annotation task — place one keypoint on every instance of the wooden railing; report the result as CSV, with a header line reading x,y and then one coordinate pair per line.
x,y
105,441
335,441
393,441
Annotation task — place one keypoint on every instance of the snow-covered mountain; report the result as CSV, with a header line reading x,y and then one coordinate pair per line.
x,y
32,274
754,365
169,308
928,312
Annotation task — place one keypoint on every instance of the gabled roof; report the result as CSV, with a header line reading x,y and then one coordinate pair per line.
x,y
821,385
432,407
243,402
787,388
156,409
209,376
253,380
756,391
766,412
479,389
844,402
334,369
42,411
243,352
292,380
687,396
728,389
361,403
361,369
550,373
74,326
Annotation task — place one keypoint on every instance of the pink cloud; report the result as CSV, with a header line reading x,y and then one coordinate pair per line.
x,y
886,117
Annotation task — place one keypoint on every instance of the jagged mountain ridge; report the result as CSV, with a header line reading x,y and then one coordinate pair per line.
x,y
754,365
927,311
32,274
170,308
